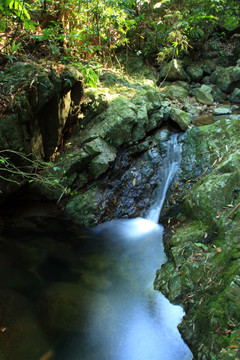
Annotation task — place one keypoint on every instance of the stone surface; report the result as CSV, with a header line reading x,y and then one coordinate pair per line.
x,y
34,122
204,96
195,72
83,207
173,71
23,337
65,307
181,118
222,111
174,92
235,96
226,78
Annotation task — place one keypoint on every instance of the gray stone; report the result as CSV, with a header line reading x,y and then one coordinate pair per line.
x,y
173,71
221,111
101,163
174,92
226,78
195,72
217,94
203,95
181,118
121,117
235,97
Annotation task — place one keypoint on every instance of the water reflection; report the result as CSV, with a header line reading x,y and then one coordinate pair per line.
x,y
135,322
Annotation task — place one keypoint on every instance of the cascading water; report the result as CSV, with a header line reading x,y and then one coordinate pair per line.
x,y
127,319
171,168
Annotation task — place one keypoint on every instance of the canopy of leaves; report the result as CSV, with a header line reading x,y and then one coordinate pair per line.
x,y
86,29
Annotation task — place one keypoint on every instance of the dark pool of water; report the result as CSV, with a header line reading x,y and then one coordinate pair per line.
x,y
83,295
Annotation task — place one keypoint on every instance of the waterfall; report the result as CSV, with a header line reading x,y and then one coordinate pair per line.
x,y
171,167
129,320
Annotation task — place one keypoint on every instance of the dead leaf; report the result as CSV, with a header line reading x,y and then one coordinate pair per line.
x,y
219,250
47,356
134,182
214,163
233,347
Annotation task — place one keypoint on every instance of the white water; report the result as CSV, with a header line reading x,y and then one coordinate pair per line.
x,y
170,169
129,320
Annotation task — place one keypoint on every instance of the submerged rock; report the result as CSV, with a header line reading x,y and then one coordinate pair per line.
x,y
65,307
21,334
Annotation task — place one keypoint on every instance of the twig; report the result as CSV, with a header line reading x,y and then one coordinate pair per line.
x,y
233,210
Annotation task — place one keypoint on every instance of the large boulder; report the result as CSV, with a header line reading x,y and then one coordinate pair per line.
x,y
235,97
174,91
181,118
50,96
121,117
226,78
173,71
65,307
204,96
32,123
195,72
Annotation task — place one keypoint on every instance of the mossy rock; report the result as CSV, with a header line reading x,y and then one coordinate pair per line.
x,y
203,270
66,307
82,208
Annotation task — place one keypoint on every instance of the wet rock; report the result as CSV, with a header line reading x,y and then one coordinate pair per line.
x,y
83,207
204,96
65,307
222,111
181,118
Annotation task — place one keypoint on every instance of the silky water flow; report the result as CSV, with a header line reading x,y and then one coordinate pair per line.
x,y
127,318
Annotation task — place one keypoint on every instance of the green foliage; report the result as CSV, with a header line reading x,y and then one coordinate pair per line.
x,y
90,72
27,170
94,29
